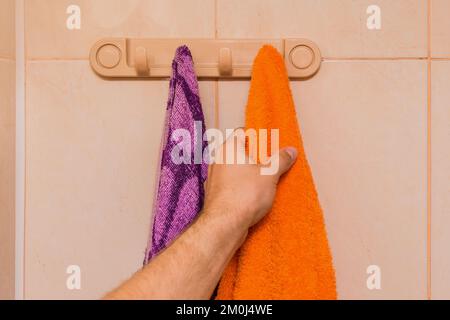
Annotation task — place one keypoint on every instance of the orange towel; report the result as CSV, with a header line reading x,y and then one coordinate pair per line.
x,y
286,255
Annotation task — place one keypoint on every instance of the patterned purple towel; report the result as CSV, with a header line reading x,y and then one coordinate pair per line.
x,y
180,192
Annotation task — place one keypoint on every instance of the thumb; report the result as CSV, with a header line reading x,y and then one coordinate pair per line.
x,y
286,157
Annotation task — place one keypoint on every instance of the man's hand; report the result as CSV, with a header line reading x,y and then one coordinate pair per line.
x,y
237,197
240,191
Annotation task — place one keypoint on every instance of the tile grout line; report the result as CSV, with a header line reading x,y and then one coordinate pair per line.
x,y
7,59
216,104
216,81
20,153
429,59
25,49
325,59
216,31
372,58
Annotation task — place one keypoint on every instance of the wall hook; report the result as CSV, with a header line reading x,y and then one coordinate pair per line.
x,y
214,58
141,61
225,62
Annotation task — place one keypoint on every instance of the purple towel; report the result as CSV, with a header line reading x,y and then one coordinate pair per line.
x,y
180,192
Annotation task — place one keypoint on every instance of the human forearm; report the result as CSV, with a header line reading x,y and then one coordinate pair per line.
x,y
191,267
237,197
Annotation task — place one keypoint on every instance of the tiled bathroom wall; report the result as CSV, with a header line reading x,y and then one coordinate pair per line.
x,y
440,155
7,147
375,121
93,145
364,122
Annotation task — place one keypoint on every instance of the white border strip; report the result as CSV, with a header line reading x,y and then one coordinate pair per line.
x,y
20,150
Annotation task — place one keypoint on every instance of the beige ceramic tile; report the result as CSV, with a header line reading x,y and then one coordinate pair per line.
x,y
339,27
440,284
232,99
7,178
92,158
207,97
364,127
440,28
47,35
7,27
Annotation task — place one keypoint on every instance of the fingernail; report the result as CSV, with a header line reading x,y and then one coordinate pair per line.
x,y
292,152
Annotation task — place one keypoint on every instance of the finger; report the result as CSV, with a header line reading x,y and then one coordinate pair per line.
x,y
285,158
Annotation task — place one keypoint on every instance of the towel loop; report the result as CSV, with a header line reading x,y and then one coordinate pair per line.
x,y
225,62
141,61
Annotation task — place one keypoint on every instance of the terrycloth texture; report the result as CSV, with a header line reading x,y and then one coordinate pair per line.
x,y
180,193
286,255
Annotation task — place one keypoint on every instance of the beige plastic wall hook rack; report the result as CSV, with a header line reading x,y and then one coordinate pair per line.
x,y
152,58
